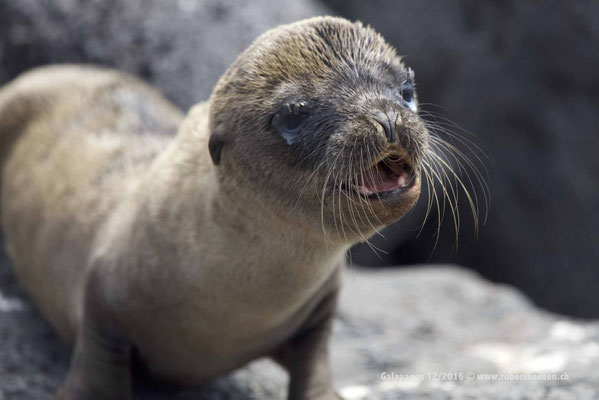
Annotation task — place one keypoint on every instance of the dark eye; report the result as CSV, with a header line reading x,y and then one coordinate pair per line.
x,y
291,123
407,94
289,120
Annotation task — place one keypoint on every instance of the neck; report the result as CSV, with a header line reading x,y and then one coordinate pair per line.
x,y
187,206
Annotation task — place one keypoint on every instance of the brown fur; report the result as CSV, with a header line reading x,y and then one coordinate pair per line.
x,y
127,234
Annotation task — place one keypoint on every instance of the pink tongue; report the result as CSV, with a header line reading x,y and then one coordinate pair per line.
x,y
377,179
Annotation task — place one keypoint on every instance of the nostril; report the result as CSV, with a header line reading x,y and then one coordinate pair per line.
x,y
389,121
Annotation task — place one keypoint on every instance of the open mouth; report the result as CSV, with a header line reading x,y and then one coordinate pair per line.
x,y
389,177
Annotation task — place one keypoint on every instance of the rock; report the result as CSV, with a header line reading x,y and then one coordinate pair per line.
x,y
32,362
394,328
457,327
522,76
180,46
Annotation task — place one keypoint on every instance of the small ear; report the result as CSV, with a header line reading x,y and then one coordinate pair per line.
x,y
215,144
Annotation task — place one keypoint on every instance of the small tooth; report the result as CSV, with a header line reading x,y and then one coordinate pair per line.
x,y
364,190
403,180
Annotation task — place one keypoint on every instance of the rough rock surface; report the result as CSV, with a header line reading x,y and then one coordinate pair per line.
x,y
181,46
413,321
522,76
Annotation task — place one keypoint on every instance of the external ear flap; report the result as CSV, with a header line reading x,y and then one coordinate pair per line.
x,y
216,143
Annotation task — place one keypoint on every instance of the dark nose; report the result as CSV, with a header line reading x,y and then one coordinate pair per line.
x,y
390,121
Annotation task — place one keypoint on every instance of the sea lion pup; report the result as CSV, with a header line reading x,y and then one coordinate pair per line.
x,y
208,241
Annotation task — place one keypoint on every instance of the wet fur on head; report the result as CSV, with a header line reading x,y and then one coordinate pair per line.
x,y
346,77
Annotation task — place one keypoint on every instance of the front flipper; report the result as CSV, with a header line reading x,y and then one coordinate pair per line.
x,y
306,357
100,365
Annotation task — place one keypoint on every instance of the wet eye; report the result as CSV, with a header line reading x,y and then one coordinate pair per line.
x,y
290,119
292,123
407,96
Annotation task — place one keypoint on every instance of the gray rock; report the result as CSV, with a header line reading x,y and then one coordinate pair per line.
x,y
417,333
455,326
180,46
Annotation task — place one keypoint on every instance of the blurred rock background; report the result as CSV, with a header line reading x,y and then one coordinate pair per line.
x,y
520,75
182,46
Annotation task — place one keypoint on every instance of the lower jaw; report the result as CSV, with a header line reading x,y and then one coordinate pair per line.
x,y
355,220
390,195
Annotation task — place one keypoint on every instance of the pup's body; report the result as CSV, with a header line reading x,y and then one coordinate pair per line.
x,y
131,230
80,183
